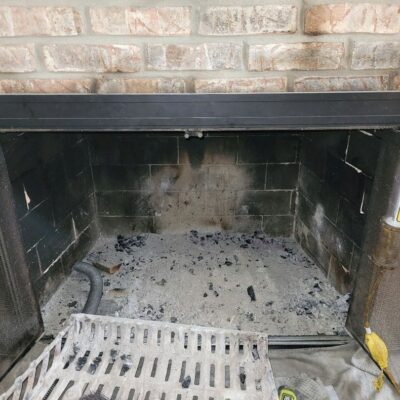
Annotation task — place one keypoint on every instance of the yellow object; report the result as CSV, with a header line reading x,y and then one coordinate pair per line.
x,y
286,394
379,352
398,215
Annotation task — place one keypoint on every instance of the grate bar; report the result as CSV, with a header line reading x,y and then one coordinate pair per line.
x,y
144,360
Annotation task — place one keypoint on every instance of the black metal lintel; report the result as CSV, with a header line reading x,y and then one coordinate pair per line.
x,y
281,111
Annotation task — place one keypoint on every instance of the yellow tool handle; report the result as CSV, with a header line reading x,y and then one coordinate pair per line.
x,y
286,394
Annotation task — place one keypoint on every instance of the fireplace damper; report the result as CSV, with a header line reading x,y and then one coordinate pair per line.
x,y
332,169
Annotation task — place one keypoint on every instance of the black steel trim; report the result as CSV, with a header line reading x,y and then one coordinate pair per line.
x,y
194,111
299,342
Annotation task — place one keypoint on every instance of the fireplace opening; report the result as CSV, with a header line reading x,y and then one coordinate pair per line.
x,y
252,230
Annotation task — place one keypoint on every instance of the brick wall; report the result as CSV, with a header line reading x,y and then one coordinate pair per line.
x,y
53,191
81,46
166,183
335,181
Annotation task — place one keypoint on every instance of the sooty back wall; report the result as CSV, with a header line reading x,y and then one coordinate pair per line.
x,y
166,183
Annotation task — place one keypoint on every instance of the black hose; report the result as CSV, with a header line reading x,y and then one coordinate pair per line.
x,y
96,286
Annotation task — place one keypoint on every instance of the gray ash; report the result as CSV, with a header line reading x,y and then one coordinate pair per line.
x,y
309,308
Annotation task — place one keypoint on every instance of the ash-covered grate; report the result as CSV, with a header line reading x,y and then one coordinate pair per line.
x,y
145,360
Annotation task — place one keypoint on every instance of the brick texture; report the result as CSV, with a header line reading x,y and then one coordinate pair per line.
x,y
350,17
34,21
202,185
245,85
163,21
92,58
155,85
17,58
376,55
54,171
329,224
295,56
248,20
194,57
200,47
343,83
46,86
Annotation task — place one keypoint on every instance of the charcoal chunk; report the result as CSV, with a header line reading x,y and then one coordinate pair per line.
x,y
251,293
186,382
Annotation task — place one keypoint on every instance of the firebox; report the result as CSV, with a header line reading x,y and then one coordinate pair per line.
x,y
269,213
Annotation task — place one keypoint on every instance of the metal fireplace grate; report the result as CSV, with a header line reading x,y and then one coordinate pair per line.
x,y
145,360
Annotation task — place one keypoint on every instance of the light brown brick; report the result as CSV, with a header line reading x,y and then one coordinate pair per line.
x,y
92,58
192,57
144,85
248,20
244,85
36,21
45,85
376,55
396,83
296,56
157,21
17,58
341,83
350,17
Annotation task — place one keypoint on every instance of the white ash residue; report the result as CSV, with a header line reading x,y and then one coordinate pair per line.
x,y
205,279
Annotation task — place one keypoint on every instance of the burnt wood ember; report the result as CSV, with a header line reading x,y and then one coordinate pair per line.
x,y
186,382
126,244
251,293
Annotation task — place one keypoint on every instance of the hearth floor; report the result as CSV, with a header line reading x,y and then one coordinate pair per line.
x,y
206,280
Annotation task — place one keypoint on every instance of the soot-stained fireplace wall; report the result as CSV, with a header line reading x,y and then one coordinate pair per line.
x,y
53,191
335,182
70,187
225,181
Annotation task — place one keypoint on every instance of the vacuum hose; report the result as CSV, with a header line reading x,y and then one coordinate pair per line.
x,y
96,286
